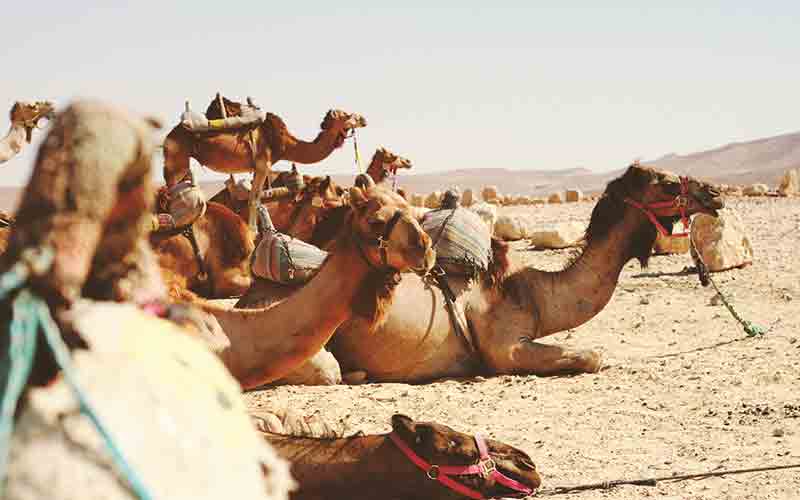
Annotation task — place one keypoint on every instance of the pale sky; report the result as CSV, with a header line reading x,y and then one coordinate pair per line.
x,y
539,85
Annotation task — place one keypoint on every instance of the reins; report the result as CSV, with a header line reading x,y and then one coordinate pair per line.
x,y
681,202
485,468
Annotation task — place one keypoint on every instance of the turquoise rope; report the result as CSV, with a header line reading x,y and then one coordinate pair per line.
x,y
29,315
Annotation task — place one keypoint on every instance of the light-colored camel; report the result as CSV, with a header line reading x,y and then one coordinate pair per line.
x,y
378,240
24,118
220,267
156,390
416,341
373,467
384,164
230,152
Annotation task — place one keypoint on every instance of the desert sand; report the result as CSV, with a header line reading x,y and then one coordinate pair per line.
x,y
683,390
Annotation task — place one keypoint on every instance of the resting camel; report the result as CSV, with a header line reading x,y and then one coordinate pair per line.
x,y
414,340
385,163
24,118
376,467
87,202
230,152
378,240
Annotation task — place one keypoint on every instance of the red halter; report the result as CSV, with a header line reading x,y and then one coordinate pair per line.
x,y
486,468
681,202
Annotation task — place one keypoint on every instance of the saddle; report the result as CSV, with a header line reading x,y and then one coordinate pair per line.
x,y
179,206
223,115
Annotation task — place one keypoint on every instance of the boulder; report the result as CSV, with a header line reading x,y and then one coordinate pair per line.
x,y
511,227
433,200
487,213
756,190
557,235
555,198
508,200
467,198
573,195
666,245
722,242
790,183
489,193
538,201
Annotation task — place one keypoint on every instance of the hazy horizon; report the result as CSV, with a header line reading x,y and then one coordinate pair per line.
x,y
473,85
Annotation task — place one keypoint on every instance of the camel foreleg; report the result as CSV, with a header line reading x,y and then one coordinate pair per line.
x,y
527,356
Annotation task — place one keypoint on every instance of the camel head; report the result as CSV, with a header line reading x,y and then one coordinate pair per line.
x,y
341,122
387,233
385,163
313,203
440,445
28,114
658,198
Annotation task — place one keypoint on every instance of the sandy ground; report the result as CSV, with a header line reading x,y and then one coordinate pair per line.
x,y
684,390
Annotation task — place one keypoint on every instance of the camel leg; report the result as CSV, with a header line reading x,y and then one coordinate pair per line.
x,y
542,359
259,179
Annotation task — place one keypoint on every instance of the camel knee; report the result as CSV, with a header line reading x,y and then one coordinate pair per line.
x,y
545,360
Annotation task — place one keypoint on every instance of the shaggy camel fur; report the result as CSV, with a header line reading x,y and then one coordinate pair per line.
x,y
415,340
224,247
24,118
230,152
373,467
379,239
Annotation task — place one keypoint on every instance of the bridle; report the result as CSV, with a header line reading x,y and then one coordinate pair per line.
x,y
681,202
485,468
382,242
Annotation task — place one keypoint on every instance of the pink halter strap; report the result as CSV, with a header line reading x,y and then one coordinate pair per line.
x,y
486,468
681,202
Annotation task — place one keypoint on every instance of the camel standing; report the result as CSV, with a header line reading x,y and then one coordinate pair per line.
x,y
374,467
415,339
378,240
231,152
385,163
24,118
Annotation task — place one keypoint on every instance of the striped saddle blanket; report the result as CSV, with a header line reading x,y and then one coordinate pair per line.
x,y
286,260
461,239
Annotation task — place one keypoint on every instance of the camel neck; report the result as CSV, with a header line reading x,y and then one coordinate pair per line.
x,y
13,142
357,468
375,170
321,147
569,298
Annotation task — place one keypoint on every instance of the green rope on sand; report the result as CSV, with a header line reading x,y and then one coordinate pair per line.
x,y
31,314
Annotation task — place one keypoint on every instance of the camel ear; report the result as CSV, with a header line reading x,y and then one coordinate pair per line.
x,y
403,425
153,122
325,184
357,198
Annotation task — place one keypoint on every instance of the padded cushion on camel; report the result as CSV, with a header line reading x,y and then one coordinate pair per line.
x,y
185,203
196,122
463,243
286,260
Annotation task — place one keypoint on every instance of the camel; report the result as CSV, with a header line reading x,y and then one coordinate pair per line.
x,y
415,340
24,118
375,467
385,163
220,267
230,152
379,239
86,205
297,214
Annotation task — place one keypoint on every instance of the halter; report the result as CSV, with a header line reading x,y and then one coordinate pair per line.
x,y
681,202
382,242
486,468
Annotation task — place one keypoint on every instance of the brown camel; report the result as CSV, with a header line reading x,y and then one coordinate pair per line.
x,y
24,118
385,163
415,339
88,202
220,267
230,152
296,215
378,240
375,468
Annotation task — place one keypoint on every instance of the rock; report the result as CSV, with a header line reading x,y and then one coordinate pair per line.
x,y
417,200
573,195
511,227
508,200
489,193
722,242
555,198
756,190
467,198
433,200
487,213
538,201
666,245
558,235
734,191
790,183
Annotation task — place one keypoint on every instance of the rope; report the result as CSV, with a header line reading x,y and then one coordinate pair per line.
x,y
30,314
357,156
652,481
752,330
